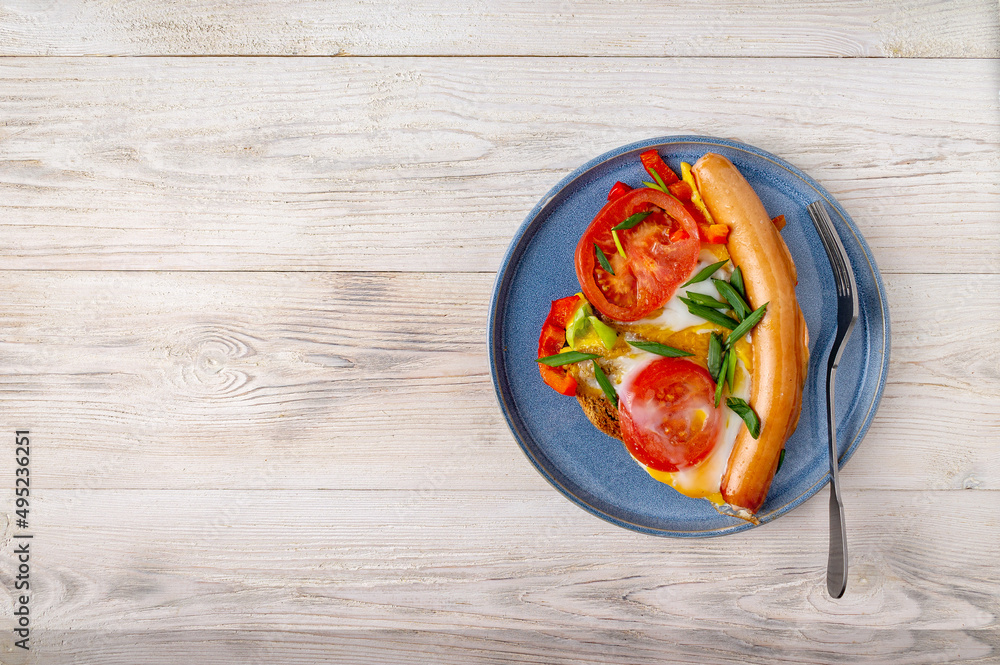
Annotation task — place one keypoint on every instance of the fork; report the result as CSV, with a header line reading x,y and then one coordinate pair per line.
x,y
847,316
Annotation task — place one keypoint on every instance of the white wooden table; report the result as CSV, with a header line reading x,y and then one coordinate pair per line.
x,y
243,305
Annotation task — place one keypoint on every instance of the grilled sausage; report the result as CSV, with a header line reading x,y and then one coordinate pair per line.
x,y
780,340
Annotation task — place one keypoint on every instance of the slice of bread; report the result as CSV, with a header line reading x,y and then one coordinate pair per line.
x,y
602,413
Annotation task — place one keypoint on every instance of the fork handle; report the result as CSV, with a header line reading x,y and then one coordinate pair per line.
x,y
836,567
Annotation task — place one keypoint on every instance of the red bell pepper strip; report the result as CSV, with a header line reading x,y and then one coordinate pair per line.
x,y
717,233
694,212
681,190
562,311
551,342
653,163
619,189
557,379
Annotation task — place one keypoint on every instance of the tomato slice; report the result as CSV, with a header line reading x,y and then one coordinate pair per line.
x,y
551,341
668,416
653,265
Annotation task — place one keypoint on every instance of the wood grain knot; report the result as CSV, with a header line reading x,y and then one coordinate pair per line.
x,y
213,362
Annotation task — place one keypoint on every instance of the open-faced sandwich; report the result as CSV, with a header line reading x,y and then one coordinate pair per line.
x,y
686,341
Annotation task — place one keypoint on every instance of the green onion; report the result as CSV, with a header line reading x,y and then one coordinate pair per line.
x,y
609,390
727,291
603,260
718,388
747,324
707,301
781,460
661,349
618,243
705,273
659,180
567,358
736,279
709,314
743,410
731,370
632,220
715,355
653,185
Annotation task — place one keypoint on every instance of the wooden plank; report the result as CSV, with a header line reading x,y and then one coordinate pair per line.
x,y
859,28
533,645
360,576
431,164
381,381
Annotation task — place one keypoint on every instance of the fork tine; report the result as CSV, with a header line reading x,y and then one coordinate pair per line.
x,y
842,272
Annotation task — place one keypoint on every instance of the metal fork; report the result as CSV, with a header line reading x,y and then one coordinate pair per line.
x,y
847,316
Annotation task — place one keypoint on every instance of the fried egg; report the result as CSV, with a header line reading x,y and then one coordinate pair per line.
x,y
675,326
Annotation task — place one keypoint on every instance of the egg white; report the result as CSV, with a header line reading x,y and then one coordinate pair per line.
x,y
703,480
675,315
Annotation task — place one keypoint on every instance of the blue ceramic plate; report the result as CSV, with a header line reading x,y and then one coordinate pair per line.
x,y
594,470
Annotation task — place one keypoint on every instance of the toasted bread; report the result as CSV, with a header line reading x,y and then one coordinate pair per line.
x,y
601,413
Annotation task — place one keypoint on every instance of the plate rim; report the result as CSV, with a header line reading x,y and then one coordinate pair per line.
x,y
525,232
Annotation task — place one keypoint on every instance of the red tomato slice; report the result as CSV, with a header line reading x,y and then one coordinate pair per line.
x,y
653,265
678,235
659,414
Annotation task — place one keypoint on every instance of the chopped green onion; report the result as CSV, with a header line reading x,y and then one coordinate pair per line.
x,y
603,260
743,410
731,370
709,314
659,180
736,279
705,273
661,349
727,291
618,243
607,334
632,220
707,301
560,359
605,382
715,355
781,460
718,388
653,185
747,324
